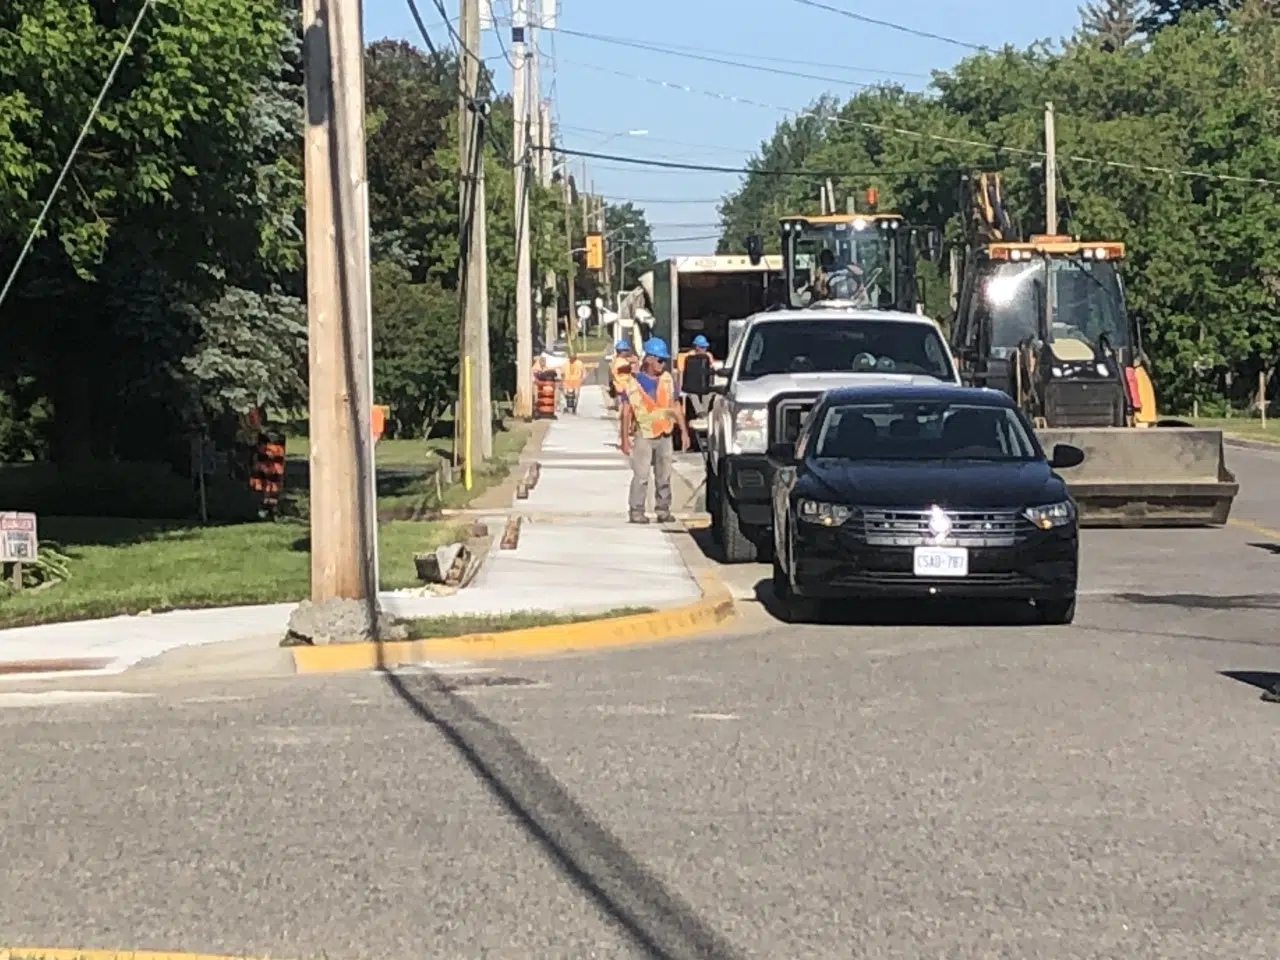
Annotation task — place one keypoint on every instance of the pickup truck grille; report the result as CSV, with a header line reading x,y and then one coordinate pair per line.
x,y
789,415
969,528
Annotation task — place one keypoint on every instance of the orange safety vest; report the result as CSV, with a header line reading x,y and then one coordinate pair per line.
x,y
574,374
616,370
654,415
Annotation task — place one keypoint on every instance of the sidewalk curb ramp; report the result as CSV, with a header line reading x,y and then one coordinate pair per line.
x,y
714,609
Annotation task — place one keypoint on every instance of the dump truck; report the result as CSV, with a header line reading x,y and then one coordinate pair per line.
x,y
694,295
1045,320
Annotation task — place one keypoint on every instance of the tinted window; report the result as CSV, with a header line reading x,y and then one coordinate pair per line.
x,y
923,431
844,346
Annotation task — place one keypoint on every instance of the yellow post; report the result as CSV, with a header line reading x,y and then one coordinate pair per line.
x,y
466,405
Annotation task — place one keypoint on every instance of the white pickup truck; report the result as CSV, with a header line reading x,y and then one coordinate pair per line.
x,y
779,366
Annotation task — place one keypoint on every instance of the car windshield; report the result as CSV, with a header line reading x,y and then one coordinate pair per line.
x,y
913,430
856,258
844,346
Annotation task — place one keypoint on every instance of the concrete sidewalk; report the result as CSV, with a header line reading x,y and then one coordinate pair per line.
x,y
576,554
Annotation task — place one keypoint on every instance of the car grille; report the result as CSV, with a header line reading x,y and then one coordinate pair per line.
x,y
789,416
969,528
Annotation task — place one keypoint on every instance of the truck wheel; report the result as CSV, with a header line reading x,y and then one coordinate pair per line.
x,y
735,545
711,493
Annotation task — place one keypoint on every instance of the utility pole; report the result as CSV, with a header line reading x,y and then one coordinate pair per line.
x,y
524,284
475,429
545,293
571,322
1050,172
343,519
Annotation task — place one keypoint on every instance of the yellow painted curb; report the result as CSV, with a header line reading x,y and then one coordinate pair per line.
x,y
64,953
1254,528
715,608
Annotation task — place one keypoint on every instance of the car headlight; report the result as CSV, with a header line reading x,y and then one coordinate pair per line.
x,y
824,514
1051,515
751,429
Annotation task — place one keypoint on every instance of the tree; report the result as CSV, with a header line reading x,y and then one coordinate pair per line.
x,y
187,187
1165,13
630,243
1112,24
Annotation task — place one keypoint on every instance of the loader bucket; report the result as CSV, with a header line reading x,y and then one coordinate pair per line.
x,y
1147,477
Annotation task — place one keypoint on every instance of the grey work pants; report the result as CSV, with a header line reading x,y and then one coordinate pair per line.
x,y
657,455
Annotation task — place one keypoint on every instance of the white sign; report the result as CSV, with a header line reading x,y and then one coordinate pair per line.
x,y
584,312
18,537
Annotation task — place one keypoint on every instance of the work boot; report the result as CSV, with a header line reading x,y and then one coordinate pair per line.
x,y
666,518
638,518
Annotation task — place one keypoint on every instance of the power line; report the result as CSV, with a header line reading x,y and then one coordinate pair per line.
x,y
681,50
75,149
705,236
712,168
993,148
635,202
894,26
722,61
619,134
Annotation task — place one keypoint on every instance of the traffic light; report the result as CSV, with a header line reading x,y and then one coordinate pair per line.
x,y
595,251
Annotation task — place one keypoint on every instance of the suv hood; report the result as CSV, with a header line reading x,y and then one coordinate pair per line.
x,y
765,389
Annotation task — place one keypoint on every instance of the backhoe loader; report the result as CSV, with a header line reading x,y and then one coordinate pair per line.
x,y
1045,320
860,260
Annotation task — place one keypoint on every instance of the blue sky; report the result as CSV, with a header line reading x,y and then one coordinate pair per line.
x,y
602,91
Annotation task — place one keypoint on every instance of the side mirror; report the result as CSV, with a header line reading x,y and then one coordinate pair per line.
x,y
755,249
932,244
783,452
1066,456
717,366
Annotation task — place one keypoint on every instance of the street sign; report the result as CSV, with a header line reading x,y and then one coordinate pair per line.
x,y
584,312
18,542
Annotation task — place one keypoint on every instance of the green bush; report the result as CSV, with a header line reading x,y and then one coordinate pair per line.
x,y
150,491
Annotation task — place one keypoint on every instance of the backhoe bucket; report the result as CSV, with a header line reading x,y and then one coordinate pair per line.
x,y
1147,476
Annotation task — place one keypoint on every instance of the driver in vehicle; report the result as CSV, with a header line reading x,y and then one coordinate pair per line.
x,y
836,282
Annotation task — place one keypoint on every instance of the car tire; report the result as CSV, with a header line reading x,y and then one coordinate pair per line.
x,y
712,493
1056,612
735,545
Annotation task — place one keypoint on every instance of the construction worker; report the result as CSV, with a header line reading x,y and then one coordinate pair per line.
x,y
701,347
651,413
571,380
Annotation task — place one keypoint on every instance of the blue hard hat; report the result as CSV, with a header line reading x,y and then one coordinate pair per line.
x,y
657,347
622,345
701,341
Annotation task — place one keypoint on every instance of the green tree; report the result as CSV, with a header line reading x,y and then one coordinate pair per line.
x,y
630,243
1112,24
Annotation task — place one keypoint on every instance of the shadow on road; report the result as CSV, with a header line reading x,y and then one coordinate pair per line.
x,y
1272,548
652,915
1202,601
1264,680
914,613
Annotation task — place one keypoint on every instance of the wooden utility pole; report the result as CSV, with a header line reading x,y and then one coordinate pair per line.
x,y
343,519
1050,172
476,421
524,282
571,323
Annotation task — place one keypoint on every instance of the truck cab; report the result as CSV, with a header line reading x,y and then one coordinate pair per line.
x,y
781,363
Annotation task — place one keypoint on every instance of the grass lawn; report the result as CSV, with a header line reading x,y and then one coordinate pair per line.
x,y
430,628
121,566
127,566
1247,428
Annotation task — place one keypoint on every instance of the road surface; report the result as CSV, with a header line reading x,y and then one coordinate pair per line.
x,y
962,789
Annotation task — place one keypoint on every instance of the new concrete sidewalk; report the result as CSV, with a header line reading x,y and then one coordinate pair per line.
x,y
576,554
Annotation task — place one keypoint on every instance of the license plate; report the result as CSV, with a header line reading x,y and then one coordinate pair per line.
x,y
942,562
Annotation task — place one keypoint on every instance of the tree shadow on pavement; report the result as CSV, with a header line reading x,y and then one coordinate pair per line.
x,y
1202,601
652,915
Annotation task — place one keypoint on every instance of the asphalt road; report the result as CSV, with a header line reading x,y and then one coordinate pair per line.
x,y
917,789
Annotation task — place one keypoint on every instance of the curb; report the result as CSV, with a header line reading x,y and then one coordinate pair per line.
x,y
1251,444
714,609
